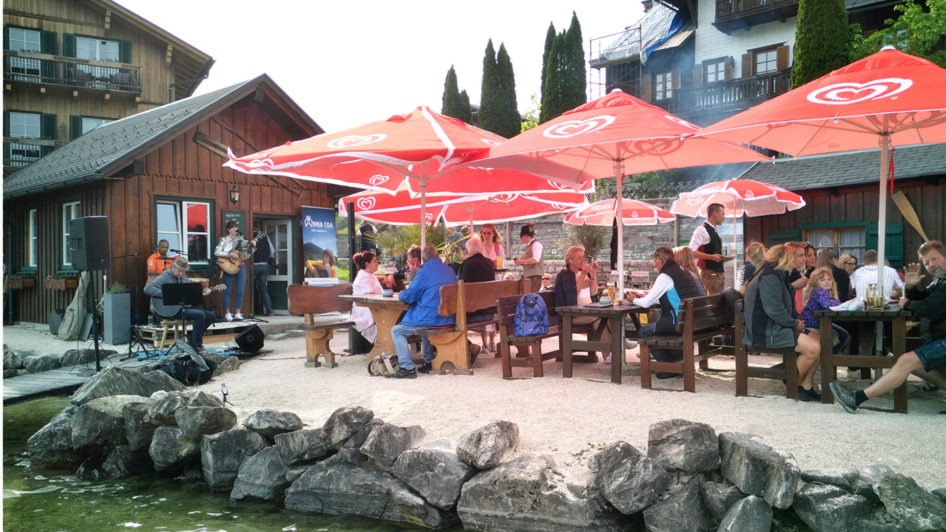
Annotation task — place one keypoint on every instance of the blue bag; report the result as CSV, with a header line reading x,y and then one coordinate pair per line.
x,y
532,317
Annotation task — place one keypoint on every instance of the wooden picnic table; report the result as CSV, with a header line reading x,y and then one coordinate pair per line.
x,y
829,361
613,314
386,311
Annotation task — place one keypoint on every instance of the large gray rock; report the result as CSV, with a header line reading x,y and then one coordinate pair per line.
x,y
757,469
115,380
222,454
343,423
11,359
171,451
351,451
262,476
305,445
719,498
83,356
680,445
751,514
626,478
386,442
228,364
197,421
435,472
486,447
866,490
269,423
683,511
10,373
875,473
827,508
338,487
123,462
51,446
843,477
40,363
941,493
529,494
917,509
162,412
157,381
138,429
98,426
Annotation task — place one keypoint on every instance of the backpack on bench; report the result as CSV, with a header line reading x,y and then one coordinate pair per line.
x,y
532,317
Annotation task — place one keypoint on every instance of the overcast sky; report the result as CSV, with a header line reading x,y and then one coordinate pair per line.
x,y
346,63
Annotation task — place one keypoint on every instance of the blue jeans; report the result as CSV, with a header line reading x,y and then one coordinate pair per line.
x,y
228,280
933,354
660,355
260,275
399,334
202,319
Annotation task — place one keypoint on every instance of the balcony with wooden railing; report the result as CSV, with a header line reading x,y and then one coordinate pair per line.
x,y
19,152
743,14
730,96
71,73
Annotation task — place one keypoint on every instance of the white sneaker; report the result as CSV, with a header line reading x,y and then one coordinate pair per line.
x,y
607,360
238,317
629,344
228,317
491,347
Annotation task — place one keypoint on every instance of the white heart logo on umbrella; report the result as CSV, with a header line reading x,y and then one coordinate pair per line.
x,y
634,214
429,217
560,206
504,198
365,204
377,180
577,127
491,142
646,147
355,140
693,202
556,186
848,93
750,194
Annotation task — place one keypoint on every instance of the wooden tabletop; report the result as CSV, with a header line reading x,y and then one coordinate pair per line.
x,y
866,314
373,299
613,310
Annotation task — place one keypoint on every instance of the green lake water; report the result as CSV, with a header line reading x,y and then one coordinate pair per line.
x,y
49,500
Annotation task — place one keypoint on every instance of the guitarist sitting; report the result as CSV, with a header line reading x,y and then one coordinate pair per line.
x,y
202,319
236,249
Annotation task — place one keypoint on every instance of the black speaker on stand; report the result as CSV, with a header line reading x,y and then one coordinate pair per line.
x,y
88,243
250,340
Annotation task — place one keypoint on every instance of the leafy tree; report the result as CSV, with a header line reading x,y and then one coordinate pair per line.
x,y
466,110
595,238
916,32
509,123
575,77
553,102
489,116
549,39
565,78
822,40
452,103
532,114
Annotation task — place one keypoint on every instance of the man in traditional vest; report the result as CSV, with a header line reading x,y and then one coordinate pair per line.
x,y
531,261
708,249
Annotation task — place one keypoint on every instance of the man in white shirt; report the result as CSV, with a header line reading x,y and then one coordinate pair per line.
x,y
867,275
708,248
532,265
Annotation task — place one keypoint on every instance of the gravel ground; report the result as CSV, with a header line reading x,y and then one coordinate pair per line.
x,y
571,419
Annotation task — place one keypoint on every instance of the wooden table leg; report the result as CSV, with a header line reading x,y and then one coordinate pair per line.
x,y
899,333
566,345
385,318
827,364
617,348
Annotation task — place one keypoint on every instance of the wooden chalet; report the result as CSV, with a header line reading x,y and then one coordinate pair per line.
x,y
158,174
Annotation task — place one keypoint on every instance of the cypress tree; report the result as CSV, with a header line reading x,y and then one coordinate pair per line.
x,y
466,111
553,103
489,94
451,95
549,39
575,78
508,124
822,40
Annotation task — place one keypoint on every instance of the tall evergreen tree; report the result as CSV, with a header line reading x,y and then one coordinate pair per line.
x,y
508,123
451,95
553,103
822,40
549,39
489,93
466,110
575,77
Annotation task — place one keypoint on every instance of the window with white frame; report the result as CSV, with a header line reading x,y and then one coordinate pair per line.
x,y
96,49
714,70
24,68
88,124
663,86
70,211
24,126
842,240
765,61
29,251
186,226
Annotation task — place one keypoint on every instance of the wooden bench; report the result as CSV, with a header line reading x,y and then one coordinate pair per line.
x,y
700,319
531,346
311,300
788,373
459,299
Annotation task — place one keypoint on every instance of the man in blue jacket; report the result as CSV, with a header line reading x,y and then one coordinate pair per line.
x,y
423,295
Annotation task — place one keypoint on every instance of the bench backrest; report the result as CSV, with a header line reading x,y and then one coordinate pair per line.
x,y
462,298
304,299
506,309
703,312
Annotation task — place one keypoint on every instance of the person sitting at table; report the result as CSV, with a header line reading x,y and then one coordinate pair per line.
x,y
573,286
848,261
478,269
755,256
547,285
672,285
797,280
821,294
423,296
866,275
366,282
684,258
929,361
829,259
409,265
771,319
811,259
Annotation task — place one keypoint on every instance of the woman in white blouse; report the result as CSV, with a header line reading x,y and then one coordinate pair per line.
x,y
365,283
492,250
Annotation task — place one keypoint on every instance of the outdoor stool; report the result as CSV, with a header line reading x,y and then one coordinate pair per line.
x,y
173,325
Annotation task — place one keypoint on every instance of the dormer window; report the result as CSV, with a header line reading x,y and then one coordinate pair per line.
x,y
97,49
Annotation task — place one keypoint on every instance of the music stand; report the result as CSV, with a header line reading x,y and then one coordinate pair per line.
x,y
184,294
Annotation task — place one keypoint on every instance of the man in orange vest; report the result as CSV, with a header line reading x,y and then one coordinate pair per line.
x,y
159,261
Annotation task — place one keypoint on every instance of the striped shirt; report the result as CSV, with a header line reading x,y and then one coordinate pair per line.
x,y
866,275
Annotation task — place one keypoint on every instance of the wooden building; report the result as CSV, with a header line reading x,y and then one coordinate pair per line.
x,y
842,196
72,65
158,174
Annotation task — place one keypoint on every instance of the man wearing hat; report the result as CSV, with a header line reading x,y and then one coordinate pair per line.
x,y
531,261
202,319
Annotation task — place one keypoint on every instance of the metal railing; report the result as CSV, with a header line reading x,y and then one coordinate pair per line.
x,y
732,9
730,95
68,71
21,152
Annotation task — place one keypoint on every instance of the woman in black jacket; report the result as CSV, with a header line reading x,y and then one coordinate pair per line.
x,y
574,284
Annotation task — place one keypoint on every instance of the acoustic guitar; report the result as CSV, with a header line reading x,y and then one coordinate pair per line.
x,y
232,266
170,312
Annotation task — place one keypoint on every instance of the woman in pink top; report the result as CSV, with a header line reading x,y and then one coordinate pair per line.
x,y
492,250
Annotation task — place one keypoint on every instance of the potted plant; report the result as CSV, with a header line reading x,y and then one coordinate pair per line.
x,y
61,281
20,281
116,305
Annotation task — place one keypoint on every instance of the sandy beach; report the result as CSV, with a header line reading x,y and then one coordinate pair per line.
x,y
571,419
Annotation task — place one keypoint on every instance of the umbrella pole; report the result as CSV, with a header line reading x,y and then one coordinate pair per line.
x,y
735,244
619,177
882,216
423,214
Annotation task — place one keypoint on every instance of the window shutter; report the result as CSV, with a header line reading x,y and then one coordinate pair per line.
x,y
646,88
675,81
6,37
75,127
747,65
49,43
47,126
894,242
697,74
6,123
69,45
6,128
728,68
781,236
781,58
124,51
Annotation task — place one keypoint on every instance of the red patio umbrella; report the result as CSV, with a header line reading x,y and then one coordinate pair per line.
x,y
610,137
889,98
635,213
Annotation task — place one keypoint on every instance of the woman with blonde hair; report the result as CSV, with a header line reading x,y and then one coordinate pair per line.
x,y
573,285
684,257
822,294
772,321
755,256
797,279
492,250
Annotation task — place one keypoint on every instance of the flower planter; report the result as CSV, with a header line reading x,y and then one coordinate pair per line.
x,y
61,284
117,310
19,284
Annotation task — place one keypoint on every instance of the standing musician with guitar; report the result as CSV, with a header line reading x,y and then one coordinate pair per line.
x,y
202,319
232,250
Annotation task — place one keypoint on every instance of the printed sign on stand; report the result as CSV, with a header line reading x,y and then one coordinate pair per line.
x,y
319,247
